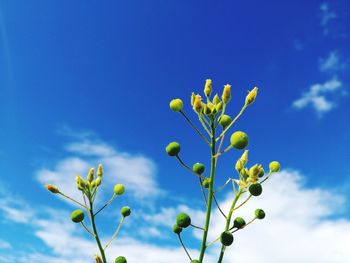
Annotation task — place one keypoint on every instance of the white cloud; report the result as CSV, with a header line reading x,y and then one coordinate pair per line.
x,y
4,245
331,63
318,96
327,15
137,172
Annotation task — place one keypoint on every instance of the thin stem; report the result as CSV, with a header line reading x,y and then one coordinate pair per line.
x,y
187,167
210,194
198,227
251,221
202,190
115,233
233,121
106,204
194,127
245,201
88,230
267,177
75,201
183,245
222,187
217,204
204,125
95,232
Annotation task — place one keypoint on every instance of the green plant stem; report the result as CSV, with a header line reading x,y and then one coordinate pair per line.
x,y
210,194
198,227
194,127
75,201
183,245
106,204
228,221
95,232
115,233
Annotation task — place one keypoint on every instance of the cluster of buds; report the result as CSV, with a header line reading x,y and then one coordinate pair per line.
x,y
89,189
212,115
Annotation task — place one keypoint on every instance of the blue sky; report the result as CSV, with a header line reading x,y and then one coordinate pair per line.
x,y
89,82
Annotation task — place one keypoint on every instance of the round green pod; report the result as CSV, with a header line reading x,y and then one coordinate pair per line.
x,y
226,238
206,182
259,213
198,168
119,189
177,229
77,216
225,120
176,105
239,222
275,166
183,220
120,259
173,149
239,140
255,189
125,211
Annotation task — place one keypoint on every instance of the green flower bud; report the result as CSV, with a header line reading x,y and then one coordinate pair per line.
x,y
225,120
239,222
183,220
208,87
77,216
90,176
98,181
274,166
177,229
226,238
53,189
125,211
259,213
173,149
206,182
207,111
251,96
176,105
119,189
120,259
226,94
216,99
255,189
219,106
198,168
99,170
239,140
197,104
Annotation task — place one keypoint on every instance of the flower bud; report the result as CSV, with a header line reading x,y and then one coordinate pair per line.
x,y
173,149
77,216
177,229
207,111
90,176
255,189
176,105
53,189
259,213
208,87
99,170
250,98
193,96
197,104
255,172
239,140
206,182
125,211
274,166
218,106
183,220
120,259
226,94
239,222
226,238
119,189
216,99
225,121
97,259
98,181
198,168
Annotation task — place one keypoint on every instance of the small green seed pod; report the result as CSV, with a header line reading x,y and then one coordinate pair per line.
x,y
259,213
177,229
239,140
198,168
239,222
226,238
176,105
125,211
225,120
173,149
77,216
255,189
274,166
206,182
119,189
120,259
183,220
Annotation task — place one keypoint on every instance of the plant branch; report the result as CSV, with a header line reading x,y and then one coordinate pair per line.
x,y
115,233
194,127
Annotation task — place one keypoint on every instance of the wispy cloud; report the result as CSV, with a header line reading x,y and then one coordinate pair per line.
x,y
4,245
318,96
327,15
331,63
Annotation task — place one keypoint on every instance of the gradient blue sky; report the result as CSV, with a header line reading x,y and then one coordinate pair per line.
x,y
103,73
